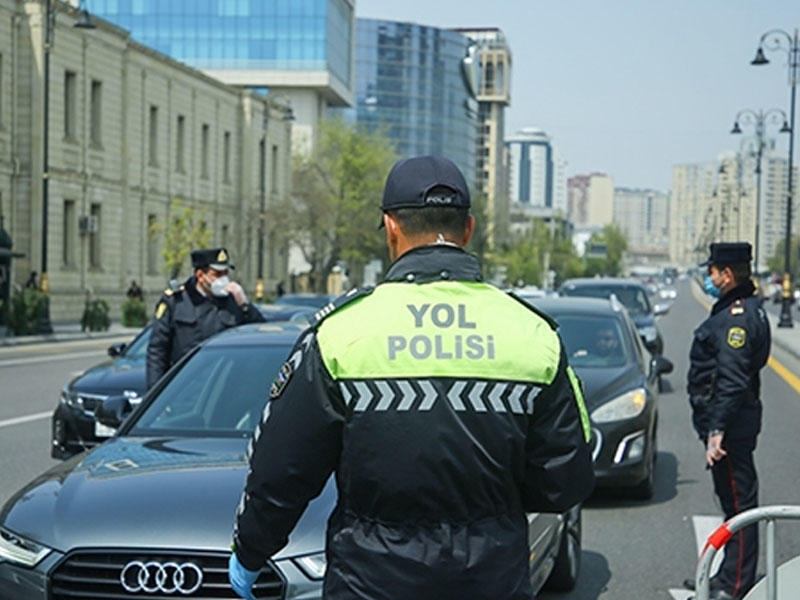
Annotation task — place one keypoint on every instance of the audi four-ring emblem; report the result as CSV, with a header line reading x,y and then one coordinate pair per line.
x,y
168,578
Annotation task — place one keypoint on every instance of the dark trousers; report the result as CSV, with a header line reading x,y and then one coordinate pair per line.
x,y
736,485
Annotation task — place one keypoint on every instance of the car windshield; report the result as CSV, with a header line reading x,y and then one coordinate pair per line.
x,y
221,391
593,341
138,347
633,298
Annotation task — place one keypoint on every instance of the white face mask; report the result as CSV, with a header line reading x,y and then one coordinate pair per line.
x,y
218,286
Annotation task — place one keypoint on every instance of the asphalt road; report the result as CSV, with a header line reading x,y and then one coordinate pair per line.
x,y
631,550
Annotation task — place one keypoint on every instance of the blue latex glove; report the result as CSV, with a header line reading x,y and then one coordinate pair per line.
x,y
241,579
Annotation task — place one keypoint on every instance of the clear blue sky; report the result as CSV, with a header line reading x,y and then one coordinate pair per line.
x,y
628,87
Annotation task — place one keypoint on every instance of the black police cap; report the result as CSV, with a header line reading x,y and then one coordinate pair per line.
x,y
216,258
728,253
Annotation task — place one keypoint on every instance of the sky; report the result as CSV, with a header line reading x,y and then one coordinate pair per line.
x,y
629,88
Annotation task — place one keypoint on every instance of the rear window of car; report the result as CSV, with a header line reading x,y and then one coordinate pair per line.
x,y
219,391
631,297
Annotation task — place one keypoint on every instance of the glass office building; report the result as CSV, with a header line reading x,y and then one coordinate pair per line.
x,y
255,43
417,84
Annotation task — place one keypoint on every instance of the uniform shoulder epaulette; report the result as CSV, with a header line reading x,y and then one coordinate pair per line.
x,y
339,302
737,307
543,315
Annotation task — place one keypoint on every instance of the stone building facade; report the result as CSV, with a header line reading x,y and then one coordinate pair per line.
x,y
129,131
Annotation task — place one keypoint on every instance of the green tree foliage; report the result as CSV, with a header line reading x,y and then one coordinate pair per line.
x,y
616,243
185,231
777,262
334,211
528,258
28,307
479,245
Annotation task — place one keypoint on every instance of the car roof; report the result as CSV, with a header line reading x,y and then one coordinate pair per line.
x,y
277,333
601,281
577,305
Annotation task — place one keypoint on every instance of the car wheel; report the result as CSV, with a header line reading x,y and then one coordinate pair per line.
x,y
567,564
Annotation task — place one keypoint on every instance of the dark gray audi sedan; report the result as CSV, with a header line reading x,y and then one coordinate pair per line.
x,y
149,513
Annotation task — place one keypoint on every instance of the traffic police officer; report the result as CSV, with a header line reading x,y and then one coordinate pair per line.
x,y
206,303
728,352
445,407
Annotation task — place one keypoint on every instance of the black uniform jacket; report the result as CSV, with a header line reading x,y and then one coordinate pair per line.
x,y
728,352
183,319
431,502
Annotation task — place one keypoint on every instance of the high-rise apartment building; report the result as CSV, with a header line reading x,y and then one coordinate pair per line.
x,y
722,201
531,168
301,51
590,202
492,54
643,216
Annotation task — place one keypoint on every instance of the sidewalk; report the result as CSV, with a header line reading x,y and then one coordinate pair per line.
x,y
64,332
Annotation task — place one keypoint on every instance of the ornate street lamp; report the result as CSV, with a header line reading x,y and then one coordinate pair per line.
x,y
759,119
778,39
85,22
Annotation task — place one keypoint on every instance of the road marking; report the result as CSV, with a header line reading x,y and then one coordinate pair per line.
x,y
11,362
703,526
25,419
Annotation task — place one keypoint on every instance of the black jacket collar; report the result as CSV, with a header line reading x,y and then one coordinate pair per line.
x,y
743,290
435,262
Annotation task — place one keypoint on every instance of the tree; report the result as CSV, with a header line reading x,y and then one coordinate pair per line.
x,y
479,244
615,244
334,210
528,258
777,262
185,231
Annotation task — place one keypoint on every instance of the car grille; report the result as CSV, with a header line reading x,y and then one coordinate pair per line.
x,y
97,574
88,402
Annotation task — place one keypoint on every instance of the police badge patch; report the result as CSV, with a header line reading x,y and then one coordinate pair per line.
x,y
736,337
281,379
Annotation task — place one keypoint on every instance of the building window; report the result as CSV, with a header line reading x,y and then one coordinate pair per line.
x,y
1,91
226,156
204,150
152,152
95,247
96,111
70,105
224,236
68,234
152,245
273,171
180,144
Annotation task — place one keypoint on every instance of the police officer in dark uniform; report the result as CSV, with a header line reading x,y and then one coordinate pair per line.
x,y
445,407
728,352
206,303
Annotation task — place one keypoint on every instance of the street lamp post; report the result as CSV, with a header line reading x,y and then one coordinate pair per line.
x,y
759,119
778,39
45,326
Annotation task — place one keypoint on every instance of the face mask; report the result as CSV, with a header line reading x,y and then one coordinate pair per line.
x,y
710,288
218,286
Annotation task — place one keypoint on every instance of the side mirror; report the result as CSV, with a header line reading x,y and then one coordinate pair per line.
x,y
660,309
661,365
113,411
115,350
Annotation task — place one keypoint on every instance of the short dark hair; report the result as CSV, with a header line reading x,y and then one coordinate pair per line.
x,y
439,219
741,271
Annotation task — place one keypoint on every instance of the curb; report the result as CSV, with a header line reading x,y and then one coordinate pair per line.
x,y
68,336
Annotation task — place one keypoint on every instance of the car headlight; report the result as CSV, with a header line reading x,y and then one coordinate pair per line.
x,y
312,565
16,549
69,397
626,406
649,333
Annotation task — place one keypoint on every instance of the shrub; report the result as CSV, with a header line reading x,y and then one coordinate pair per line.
x,y
134,313
95,315
28,307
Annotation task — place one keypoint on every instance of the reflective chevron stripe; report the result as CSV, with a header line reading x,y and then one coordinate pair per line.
x,y
403,395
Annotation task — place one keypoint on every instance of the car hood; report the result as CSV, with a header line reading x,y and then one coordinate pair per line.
x,y
601,385
113,377
151,493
